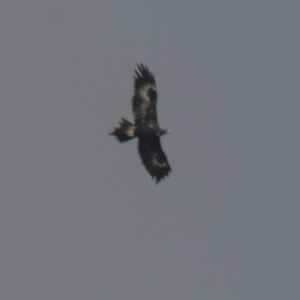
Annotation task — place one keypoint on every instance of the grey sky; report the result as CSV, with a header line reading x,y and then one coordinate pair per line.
x,y
80,218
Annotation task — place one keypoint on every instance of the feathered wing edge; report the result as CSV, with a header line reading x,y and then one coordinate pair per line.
x,y
153,158
143,76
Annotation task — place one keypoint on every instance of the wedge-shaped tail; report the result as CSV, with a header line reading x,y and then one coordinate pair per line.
x,y
125,131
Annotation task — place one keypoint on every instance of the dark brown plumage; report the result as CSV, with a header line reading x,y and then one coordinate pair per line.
x,y
145,126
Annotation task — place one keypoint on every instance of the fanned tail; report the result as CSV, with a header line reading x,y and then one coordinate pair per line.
x,y
125,131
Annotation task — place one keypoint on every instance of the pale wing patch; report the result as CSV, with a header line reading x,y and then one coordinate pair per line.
x,y
144,90
145,100
155,163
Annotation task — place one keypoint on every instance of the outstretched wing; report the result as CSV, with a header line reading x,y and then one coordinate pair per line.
x,y
153,157
145,97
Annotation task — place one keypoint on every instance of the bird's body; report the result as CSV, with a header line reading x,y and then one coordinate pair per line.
x,y
145,126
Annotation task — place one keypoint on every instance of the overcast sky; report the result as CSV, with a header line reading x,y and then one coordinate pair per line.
x,y
80,218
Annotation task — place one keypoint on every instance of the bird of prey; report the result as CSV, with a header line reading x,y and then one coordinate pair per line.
x,y
145,126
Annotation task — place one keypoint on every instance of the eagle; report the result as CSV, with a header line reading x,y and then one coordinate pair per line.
x,y
145,127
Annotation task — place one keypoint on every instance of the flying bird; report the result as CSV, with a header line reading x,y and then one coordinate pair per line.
x,y
145,126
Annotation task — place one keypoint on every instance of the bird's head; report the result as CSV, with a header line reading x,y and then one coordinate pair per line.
x,y
164,131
